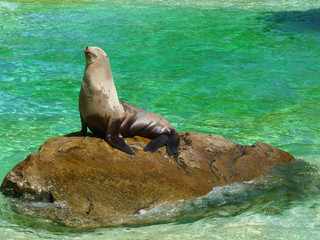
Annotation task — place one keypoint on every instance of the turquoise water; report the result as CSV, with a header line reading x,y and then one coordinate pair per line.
x,y
247,70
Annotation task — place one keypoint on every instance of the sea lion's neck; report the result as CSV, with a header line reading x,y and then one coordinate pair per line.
x,y
98,78
98,73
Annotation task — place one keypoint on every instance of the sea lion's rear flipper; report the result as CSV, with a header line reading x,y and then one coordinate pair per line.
x,y
173,143
118,142
156,143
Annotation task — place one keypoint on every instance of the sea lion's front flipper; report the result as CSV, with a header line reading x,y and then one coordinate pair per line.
x,y
114,138
75,134
118,142
156,143
83,131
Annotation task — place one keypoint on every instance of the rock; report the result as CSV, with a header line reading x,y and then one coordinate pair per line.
x,y
82,181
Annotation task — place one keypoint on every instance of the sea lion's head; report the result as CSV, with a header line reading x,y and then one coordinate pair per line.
x,y
94,55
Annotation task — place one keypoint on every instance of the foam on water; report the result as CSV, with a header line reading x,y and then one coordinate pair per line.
x,y
273,5
8,6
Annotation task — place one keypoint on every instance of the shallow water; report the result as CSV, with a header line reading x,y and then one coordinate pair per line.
x,y
247,70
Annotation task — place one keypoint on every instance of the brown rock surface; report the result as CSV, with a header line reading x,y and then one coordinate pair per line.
x,y
88,182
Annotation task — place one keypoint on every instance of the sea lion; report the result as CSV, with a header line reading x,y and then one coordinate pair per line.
x,y
106,116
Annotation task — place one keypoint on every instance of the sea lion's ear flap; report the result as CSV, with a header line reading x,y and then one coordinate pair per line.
x,y
107,56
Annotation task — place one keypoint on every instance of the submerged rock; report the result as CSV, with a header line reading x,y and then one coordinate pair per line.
x,y
82,181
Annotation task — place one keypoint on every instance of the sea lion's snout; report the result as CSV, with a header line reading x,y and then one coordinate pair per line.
x,y
89,52
93,54
86,49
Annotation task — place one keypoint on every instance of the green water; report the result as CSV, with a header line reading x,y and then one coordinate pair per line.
x,y
247,70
